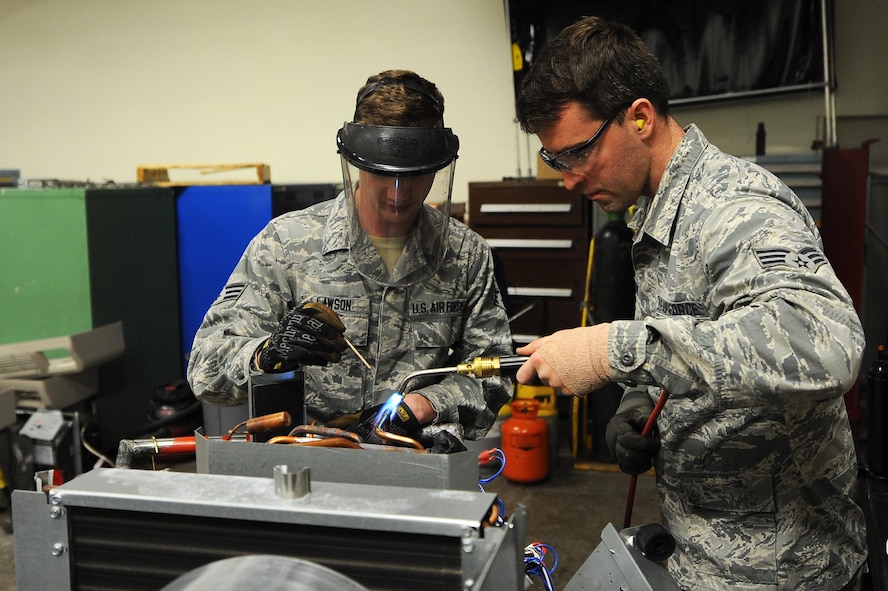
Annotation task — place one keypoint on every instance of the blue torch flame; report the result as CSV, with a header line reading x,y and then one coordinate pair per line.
x,y
388,408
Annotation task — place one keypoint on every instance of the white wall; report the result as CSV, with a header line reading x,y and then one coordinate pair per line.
x,y
90,89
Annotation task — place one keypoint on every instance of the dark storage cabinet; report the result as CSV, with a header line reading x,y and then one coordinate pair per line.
x,y
541,234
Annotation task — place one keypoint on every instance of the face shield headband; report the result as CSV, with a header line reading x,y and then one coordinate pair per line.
x,y
397,221
392,150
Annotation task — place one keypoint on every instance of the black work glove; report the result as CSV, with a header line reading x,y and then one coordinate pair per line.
x,y
633,451
311,334
444,442
402,422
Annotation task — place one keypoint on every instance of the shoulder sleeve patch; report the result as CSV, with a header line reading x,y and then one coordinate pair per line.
x,y
808,258
230,292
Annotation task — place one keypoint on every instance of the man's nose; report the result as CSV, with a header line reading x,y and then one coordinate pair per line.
x,y
394,186
571,179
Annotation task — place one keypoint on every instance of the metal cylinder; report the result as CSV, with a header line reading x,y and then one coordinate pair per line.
x,y
291,485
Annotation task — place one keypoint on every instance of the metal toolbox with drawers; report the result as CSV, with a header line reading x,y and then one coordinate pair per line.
x,y
541,233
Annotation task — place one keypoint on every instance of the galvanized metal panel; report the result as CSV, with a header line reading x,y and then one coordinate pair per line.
x,y
332,504
458,471
615,565
125,529
41,542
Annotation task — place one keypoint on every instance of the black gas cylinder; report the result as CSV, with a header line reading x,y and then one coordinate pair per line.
x,y
613,277
612,297
877,409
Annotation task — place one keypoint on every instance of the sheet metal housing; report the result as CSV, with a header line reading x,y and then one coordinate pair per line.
x,y
456,471
133,529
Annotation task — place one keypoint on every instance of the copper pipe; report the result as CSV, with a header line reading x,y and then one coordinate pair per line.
x,y
328,442
262,423
331,442
408,441
325,432
281,439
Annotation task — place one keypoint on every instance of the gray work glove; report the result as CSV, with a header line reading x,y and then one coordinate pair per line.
x,y
634,452
311,334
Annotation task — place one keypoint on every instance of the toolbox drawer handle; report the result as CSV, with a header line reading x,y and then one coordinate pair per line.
x,y
526,207
524,243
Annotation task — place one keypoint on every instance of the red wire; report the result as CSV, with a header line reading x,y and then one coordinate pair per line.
x,y
633,479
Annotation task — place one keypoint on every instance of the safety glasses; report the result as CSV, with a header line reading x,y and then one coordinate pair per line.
x,y
566,160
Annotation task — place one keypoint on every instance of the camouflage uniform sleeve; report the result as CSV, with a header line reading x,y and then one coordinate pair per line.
x,y
472,402
780,323
245,313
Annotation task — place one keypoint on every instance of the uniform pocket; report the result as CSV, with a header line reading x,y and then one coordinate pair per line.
x,y
433,334
338,388
355,315
731,526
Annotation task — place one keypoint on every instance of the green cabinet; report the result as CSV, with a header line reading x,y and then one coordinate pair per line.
x,y
44,264
74,259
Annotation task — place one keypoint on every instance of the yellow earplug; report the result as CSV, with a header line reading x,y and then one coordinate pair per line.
x,y
640,124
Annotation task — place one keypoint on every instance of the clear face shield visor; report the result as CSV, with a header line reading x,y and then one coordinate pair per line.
x,y
398,183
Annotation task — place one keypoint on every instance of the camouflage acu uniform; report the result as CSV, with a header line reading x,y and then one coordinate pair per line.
x,y
742,320
303,256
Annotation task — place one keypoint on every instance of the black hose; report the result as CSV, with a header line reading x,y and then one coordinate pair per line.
x,y
185,413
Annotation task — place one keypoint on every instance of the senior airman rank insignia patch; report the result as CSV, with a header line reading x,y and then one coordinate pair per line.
x,y
232,291
807,258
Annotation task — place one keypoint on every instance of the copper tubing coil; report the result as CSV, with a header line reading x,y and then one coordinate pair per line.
x,y
325,442
340,436
325,432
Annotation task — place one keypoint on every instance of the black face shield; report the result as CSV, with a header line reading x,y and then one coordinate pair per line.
x,y
398,183
401,151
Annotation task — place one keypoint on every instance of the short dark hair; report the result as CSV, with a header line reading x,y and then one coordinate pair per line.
x,y
602,65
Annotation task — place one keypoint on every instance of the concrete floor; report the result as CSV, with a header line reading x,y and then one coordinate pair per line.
x,y
567,511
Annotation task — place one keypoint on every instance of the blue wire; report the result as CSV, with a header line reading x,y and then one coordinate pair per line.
x,y
534,564
554,555
501,456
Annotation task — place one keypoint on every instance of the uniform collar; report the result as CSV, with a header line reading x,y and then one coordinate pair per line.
x,y
656,217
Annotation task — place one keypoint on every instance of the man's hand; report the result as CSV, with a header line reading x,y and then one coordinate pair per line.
x,y
573,360
402,422
633,451
311,334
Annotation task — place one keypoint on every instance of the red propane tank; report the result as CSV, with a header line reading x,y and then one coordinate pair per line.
x,y
526,443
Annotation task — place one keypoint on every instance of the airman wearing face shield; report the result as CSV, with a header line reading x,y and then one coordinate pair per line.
x,y
391,175
396,160
413,288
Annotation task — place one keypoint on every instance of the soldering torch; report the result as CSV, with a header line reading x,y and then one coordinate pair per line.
x,y
479,367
